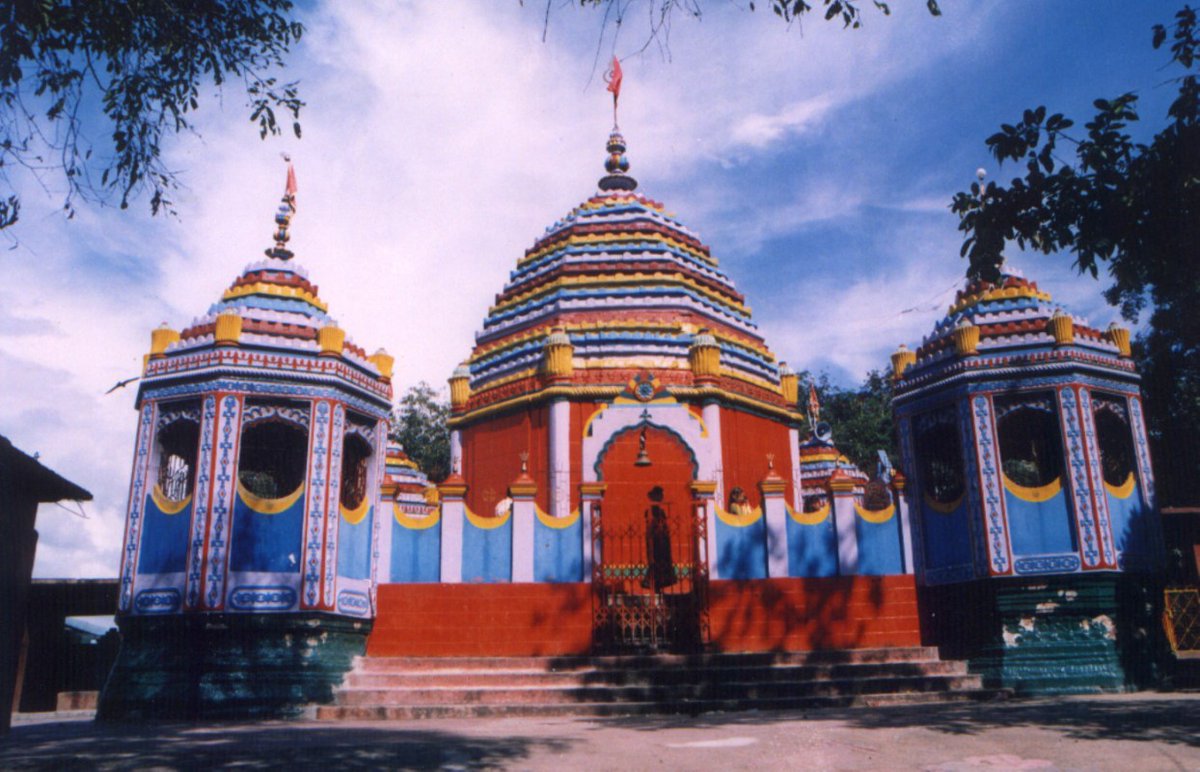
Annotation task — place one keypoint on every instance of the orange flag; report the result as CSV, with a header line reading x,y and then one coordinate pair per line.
x,y
613,77
814,405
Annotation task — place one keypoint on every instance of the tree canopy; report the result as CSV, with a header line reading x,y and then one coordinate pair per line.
x,y
861,417
89,90
1132,208
419,424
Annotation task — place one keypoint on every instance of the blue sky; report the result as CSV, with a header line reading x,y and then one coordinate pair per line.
x,y
440,139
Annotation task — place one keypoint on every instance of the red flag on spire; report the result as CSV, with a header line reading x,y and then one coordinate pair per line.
x,y
291,182
814,406
613,78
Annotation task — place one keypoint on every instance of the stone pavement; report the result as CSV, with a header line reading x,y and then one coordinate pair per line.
x,y
1146,731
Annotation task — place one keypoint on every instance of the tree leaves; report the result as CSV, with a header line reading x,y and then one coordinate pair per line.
x,y
143,62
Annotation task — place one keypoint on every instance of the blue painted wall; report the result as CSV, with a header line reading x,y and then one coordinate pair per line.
x,y
1040,528
880,551
354,547
742,550
812,549
266,542
416,553
945,536
487,553
164,540
558,552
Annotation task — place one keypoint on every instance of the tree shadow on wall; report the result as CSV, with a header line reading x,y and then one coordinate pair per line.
x,y
69,745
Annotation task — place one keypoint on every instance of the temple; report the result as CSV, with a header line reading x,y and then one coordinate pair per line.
x,y
628,476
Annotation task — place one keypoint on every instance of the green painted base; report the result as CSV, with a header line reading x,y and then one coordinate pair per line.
x,y
1073,634
229,666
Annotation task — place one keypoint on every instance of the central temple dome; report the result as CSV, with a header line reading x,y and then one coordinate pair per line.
x,y
629,288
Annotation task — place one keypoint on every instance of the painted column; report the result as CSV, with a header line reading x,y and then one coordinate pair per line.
x,y
591,494
456,450
224,488
714,469
774,502
900,496
522,491
560,458
797,477
841,490
137,503
452,491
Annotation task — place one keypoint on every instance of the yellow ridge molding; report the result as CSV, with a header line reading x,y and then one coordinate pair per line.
x,y
269,506
166,505
274,290
1034,494
618,281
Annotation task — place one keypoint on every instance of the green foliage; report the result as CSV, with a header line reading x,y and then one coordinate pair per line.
x,y
1132,208
131,71
419,424
861,417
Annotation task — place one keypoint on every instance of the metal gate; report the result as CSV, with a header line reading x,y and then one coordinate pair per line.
x,y
650,580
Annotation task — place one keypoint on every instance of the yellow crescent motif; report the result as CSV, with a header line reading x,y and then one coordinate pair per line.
x,y
486,523
356,515
1124,490
943,507
739,521
269,506
166,505
816,517
875,516
414,523
558,523
1034,494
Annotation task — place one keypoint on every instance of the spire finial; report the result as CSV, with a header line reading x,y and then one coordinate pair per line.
x,y
283,217
617,165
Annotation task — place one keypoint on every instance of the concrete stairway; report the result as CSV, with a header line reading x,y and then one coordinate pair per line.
x,y
414,687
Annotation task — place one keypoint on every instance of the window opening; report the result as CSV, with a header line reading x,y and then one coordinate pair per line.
x,y
273,458
1030,443
177,446
355,453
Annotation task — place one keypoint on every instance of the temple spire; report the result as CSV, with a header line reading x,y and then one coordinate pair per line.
x,y
283,217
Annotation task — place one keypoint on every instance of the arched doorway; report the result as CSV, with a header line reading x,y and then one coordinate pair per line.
x,y
650,586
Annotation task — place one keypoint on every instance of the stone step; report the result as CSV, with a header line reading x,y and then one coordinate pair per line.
x,y
588,676
714,690
838,656
413,712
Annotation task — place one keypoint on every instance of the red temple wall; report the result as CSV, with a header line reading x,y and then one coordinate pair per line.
x,y
747,439
491,457
458,620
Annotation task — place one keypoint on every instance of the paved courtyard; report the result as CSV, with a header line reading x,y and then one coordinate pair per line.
x,y
1147,731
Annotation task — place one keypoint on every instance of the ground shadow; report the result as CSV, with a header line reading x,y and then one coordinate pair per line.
x,y
278,745
1154,718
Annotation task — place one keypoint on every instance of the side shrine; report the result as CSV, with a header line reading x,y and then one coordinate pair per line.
x,y
628,476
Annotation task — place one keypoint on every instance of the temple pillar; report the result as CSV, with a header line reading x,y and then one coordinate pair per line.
x,y
454,512
774,503
560,458
591,494
715,469
841,490
900,496
522,491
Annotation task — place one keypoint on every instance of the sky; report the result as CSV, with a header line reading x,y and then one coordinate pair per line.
x,y
441,138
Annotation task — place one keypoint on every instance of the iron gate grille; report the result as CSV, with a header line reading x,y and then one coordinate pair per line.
x,y
1182,608
650,581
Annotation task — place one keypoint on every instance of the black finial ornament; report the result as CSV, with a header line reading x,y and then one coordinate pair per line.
x,y
283,217
617,165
